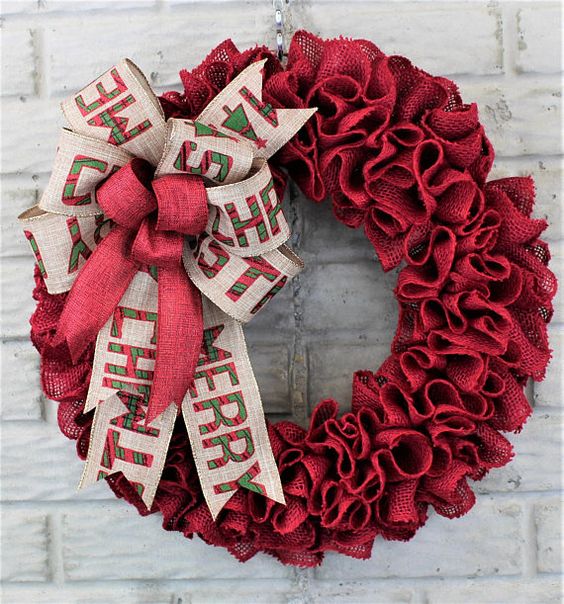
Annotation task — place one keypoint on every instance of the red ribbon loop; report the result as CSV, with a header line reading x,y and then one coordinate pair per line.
x,y
150,229
126,197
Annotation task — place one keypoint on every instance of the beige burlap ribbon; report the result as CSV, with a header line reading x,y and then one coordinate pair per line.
x,y
239,263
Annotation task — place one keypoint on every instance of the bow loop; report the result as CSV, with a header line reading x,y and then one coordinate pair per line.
x,y
126,196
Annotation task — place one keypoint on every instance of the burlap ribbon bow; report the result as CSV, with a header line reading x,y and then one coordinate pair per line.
x,y
112,229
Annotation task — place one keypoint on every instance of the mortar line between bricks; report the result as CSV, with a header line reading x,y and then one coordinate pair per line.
x,y
91,505
419,597
453,580
22,256
66,17
283,583
303,580
14,339
530,564
298,370
40,54
509,12
55,548
22,423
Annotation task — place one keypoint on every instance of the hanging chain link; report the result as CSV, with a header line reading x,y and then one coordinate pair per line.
x,y
279,25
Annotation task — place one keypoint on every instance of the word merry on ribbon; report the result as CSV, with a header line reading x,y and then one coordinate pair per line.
x,y
126,189
232,449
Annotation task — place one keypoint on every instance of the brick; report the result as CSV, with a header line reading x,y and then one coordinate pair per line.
x,y
17,281
99,43
349,296
324,238
487,541
539,41
547,174
48,470
25,541
548,522
442,41
523,591
537,462
99,5
21,398
14,202
270,365
331,367
30,134
514,114
146,552
15,8
10,7
18,63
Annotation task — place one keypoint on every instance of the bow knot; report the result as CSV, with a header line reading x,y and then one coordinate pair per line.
x,y
156,214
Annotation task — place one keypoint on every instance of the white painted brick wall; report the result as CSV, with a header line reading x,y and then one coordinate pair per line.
x,y
62,547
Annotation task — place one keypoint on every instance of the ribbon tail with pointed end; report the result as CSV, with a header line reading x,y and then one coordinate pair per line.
x,y
179,339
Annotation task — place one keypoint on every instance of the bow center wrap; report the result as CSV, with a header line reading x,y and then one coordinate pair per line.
x,y
166,316
131,195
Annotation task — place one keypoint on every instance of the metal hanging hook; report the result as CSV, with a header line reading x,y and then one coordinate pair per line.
x,y
279,25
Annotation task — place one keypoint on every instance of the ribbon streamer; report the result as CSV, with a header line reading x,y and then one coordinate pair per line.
x,y
126,188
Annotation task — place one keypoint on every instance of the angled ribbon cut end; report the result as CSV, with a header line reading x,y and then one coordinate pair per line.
x,y
261,478
122,441
238,110
216,504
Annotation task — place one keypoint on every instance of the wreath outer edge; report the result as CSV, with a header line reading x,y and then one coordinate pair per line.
x,y
400,155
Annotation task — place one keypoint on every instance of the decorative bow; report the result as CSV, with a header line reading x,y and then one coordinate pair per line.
x,y
113,230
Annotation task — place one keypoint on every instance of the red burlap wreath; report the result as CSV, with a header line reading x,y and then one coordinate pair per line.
x,y
398,153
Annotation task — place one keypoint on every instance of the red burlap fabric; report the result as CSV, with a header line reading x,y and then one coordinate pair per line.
x,y
398,153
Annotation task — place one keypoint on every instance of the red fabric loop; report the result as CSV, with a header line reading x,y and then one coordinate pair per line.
x,y
126,196
102,282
